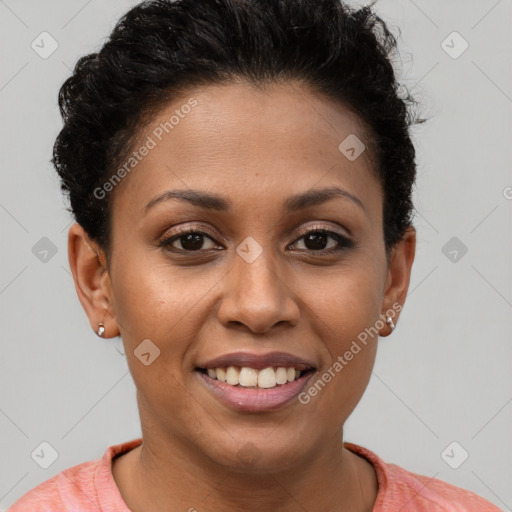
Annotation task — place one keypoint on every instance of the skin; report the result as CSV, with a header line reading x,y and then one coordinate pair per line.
x,y
254,148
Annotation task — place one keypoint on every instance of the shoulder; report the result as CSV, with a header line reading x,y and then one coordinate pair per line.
x,y
418,493
432,494
64,491
86,487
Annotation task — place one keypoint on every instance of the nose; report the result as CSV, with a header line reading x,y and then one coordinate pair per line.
x,y
257,296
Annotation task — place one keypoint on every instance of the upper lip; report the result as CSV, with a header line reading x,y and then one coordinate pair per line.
x,y
258,361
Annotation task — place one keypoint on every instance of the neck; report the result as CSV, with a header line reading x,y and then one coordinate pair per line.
x,y
162,476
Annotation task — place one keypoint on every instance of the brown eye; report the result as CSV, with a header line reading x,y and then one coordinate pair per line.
x,y
188,241
317,240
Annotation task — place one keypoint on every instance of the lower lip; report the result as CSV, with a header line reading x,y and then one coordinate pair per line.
x,y
256,399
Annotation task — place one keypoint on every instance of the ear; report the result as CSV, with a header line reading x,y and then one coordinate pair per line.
x,y
398,277
92,280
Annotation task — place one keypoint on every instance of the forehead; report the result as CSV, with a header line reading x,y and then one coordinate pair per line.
x,y
244,142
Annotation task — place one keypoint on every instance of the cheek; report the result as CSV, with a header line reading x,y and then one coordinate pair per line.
x,y
344,309
346,303
153,302
157,300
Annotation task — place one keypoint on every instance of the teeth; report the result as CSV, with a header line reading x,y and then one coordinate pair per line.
x,y
232,376
221,374
250,377
281,376
267,378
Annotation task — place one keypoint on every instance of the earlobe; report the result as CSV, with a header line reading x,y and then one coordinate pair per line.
x,y
92,281
398,278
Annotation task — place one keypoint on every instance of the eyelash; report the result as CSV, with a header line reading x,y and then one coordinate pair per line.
x,y
344,243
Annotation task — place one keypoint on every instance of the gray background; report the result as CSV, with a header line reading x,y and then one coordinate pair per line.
x,y
445,373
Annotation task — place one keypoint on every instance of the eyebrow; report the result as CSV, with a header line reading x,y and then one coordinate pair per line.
x,y
292,204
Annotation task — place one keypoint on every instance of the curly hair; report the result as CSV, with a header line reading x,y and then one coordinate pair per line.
x,y
160,48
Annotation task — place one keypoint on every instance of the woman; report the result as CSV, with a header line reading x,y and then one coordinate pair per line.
x,y
241,175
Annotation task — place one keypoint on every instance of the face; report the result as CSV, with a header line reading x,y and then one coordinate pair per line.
x,y
260,271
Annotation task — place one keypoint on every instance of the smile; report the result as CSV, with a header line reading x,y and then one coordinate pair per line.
x,y
251,377
251,390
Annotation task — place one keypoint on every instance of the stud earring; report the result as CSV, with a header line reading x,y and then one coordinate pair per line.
x,y
101,330
389,321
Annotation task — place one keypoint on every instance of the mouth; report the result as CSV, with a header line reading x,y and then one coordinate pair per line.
x,y
252,382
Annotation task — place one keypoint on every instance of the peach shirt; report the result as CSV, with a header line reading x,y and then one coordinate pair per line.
x,y
90,487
